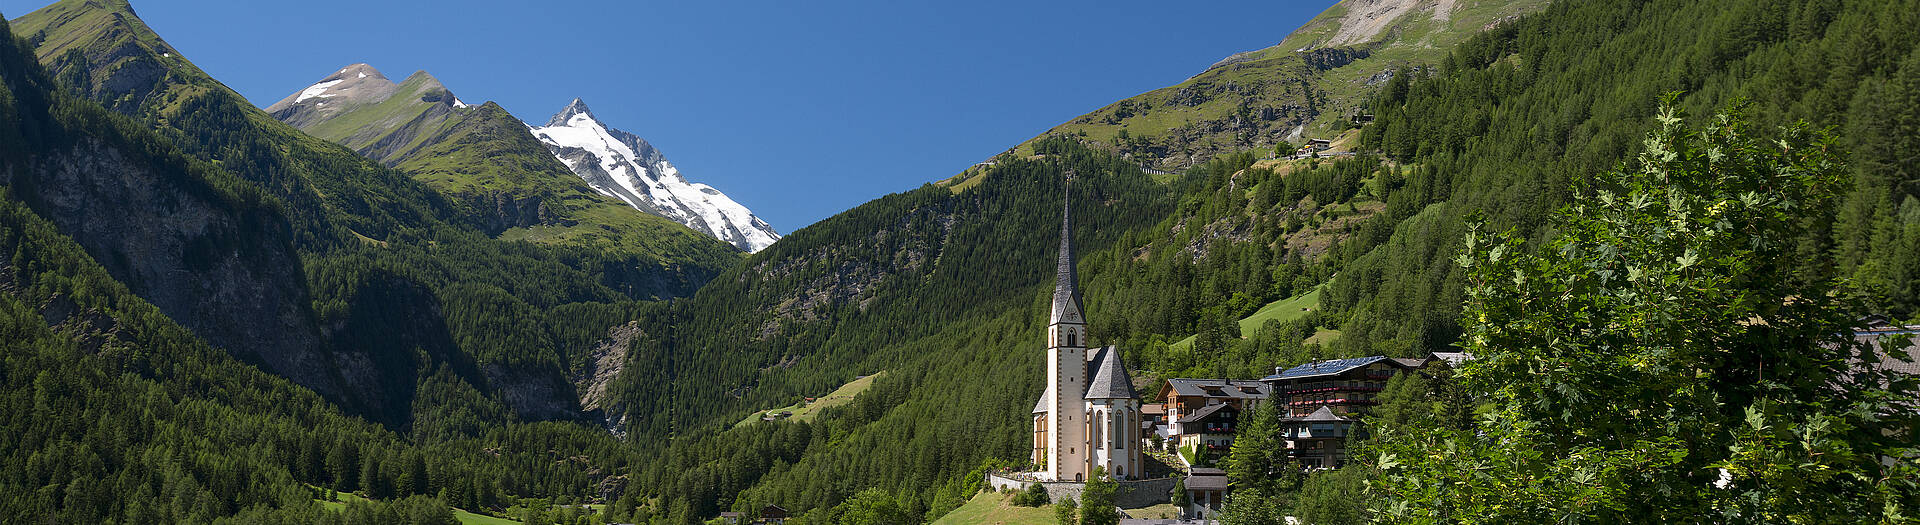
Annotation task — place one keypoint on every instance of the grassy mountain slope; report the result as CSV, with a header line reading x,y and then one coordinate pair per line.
x,y
1498,124
402,282
1307,86
421,102
947,293
939,289
1515,117
113,412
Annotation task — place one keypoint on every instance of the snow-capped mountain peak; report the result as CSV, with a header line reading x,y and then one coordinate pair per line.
x,y
576,108
624,166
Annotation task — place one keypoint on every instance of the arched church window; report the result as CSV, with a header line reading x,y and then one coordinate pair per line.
x,y
1097,428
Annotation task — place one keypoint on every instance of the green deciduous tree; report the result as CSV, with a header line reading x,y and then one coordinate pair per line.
x,y
1659,360
872,507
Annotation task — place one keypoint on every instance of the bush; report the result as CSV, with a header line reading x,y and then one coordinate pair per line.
x,y
1067,512
1035,495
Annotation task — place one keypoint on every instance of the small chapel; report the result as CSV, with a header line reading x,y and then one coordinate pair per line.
x,y
1089,415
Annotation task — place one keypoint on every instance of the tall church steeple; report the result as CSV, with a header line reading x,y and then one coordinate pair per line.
x,y
1068,323
1063,439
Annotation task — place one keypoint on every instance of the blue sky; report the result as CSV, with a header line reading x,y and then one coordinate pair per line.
x,y
799,110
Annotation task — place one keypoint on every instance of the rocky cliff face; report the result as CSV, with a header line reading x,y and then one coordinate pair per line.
x,y
603,363
233,279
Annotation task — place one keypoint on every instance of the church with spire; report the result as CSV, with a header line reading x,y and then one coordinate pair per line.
x,y
1089,415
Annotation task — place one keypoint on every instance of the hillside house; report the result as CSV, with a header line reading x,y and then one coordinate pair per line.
x,y
1184,398
1346,386
1318,440
1206,493
1322,402
1209,428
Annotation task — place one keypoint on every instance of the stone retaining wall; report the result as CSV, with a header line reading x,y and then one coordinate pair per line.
x,y
1129,493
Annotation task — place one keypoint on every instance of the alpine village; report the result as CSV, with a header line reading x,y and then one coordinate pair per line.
x,y
1418,261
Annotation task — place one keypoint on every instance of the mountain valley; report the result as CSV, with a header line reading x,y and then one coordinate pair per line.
x,y
379,297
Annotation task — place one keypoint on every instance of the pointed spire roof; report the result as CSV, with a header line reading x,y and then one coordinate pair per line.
x,y
1066,289
1110,379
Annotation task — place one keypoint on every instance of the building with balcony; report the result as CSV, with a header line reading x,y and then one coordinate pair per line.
x,y
1209,429
1321,403
1346,387
1319,439
1183,397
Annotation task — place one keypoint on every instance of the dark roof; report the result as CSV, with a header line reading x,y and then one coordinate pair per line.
x,y
1227,388
1205,471
1110,380
1338,366
1040,407
1198,482
1066,290
1893,361
1323,368
1203,413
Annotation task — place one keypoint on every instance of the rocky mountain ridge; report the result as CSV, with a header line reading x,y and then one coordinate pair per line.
x,y
400,124
1309,85
625,166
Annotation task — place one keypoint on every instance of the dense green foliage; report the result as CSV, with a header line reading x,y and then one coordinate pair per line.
x,y
939,289
1660,360
1515,116
1306,86
1096,500
944,288
115,412
400,276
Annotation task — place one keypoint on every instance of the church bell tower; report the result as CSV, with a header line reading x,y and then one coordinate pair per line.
x,y
1067,450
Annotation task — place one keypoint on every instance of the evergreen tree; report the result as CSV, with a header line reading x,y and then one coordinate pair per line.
x,y
1096,500
1067,511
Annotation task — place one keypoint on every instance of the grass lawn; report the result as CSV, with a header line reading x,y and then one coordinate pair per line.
x,y
463,516
1282,310
993,508
1161,511
804,411
476,519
